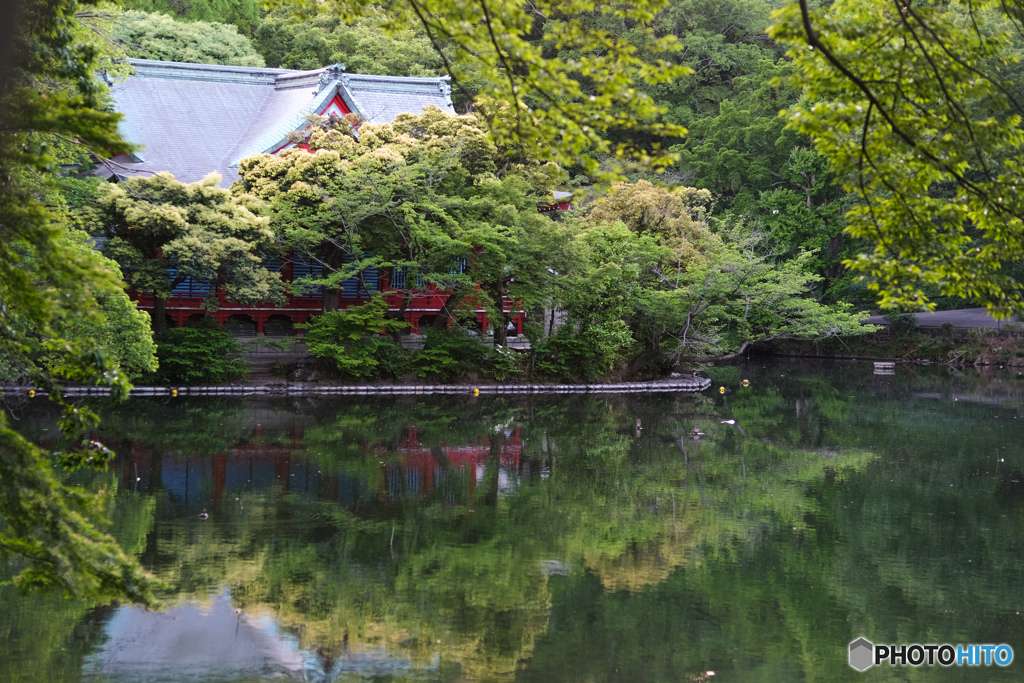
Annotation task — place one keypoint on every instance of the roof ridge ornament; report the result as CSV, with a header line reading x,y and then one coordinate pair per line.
x,y
334,72
445,87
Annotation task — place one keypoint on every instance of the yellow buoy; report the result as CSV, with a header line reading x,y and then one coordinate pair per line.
x,y
31,393
746,382
174,392
721,390
476,392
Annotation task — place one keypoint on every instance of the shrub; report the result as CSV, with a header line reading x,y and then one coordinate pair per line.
x,y
449,353
502,364
901,324
202,355
391,359
585,353
346,339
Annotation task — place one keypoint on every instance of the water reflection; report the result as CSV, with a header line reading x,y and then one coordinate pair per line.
x,y
646,538
214,641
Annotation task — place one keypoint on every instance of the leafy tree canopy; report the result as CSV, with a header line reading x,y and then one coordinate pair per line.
x,y
291,41
677,217
158,36
576,104
917,109
245,14
635,293
48,103
162,232
430,194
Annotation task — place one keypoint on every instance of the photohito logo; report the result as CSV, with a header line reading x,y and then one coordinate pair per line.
x,y
864,655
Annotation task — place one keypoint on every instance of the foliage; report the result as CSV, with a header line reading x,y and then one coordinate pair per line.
x,y
448,354
51,525
745,295
901,324
50,104
504,364
124,335
583,93
244,14
197,355
290,41
424,194
158,36
633,299
583,352
676,217
916,109
346,338
163,232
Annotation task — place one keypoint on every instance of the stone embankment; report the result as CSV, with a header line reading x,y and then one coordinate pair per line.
x,y
681,384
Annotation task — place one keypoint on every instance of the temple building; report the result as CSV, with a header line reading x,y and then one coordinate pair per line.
x,y
194,119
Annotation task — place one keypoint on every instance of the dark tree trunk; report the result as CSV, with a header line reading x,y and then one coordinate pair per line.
x,y
497,293
441,459
159,316
835,246
396,335
330,299
640,361
334,259
441,320
501,332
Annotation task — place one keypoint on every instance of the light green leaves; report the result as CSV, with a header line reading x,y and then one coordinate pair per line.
x,y
159,36
908,104
578,103
199,230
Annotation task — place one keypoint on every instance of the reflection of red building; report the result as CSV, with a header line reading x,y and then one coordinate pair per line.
x,y
206,480
422,468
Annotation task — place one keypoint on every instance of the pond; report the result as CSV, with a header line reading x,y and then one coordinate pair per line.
x,y
749,535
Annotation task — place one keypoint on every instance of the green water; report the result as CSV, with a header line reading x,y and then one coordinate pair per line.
x,y
550,539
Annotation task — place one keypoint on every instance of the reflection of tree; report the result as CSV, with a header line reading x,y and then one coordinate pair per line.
x,y
193,427
461,574
824,512
464,582
46,636
637,509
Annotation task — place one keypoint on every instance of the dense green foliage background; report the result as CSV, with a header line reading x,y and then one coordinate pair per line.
x,y
737,145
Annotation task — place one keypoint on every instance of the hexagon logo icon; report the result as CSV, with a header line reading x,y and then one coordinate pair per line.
x,y
862,654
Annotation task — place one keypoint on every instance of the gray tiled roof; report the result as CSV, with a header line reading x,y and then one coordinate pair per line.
x,y
192,119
